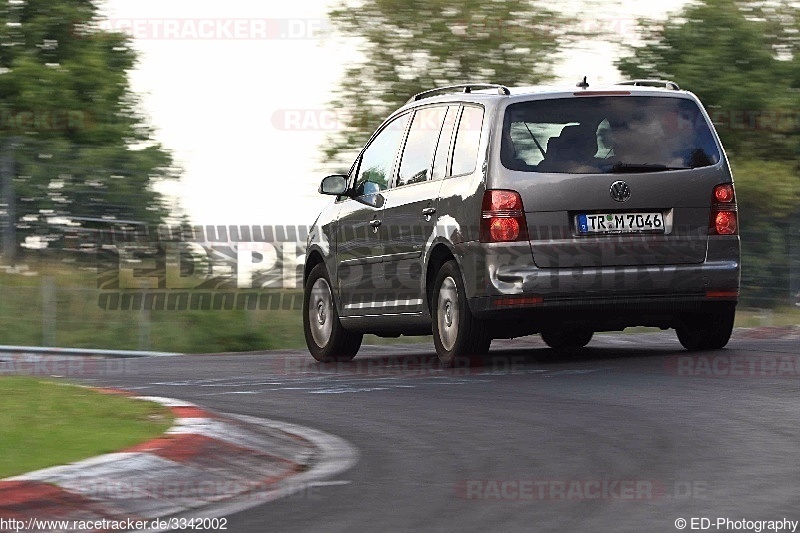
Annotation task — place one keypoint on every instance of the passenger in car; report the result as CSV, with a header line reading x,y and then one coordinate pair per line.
x,y
571,151
605,140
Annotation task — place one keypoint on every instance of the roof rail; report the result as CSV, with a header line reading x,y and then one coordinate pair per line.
x,y
666,84
466,88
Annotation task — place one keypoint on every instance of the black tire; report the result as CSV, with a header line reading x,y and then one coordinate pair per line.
x,y
458,335
567,339
326,339
707,331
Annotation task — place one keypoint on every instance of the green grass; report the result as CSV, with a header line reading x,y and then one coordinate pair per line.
x,y
75,320
782,316
46,424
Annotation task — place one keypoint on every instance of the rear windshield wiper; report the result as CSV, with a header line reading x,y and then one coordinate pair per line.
x,y
539,146
623,168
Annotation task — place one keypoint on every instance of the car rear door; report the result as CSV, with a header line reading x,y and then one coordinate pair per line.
x,y
411,203
361,280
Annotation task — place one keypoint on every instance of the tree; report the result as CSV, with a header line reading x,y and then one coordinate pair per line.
x,y
412,45
743,60
69,120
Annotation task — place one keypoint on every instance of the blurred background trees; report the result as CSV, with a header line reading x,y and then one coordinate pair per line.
x,y
409,46
742,59
72,141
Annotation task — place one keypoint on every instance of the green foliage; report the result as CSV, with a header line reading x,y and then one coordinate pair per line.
x,y
227,333
79,322
768,195
743,60
412,45
765,187
69,119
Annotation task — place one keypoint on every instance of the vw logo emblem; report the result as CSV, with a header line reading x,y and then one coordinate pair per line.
x,y
620,191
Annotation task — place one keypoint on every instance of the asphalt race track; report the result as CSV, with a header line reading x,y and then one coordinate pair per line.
x,y
630,434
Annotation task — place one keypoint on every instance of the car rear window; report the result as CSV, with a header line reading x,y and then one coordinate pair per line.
x,y
607,134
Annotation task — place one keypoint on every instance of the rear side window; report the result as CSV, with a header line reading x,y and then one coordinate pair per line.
x,y
608,134
415,165
468,138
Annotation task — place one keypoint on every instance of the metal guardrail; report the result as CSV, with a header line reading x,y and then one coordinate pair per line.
x,y
82,352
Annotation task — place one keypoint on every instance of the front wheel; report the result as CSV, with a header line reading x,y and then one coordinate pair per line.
x,y
707,331
326,339
457,334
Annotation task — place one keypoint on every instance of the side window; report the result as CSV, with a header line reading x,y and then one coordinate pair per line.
x,y
377,161
420,145
468,138
443,148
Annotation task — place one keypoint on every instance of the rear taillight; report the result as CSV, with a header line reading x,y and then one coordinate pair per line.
x,y
724,218
723,193
503,217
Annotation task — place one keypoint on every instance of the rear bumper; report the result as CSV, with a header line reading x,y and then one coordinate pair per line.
x,y
594,313
591,307
507,270
516,316
615,283
519,298
505,288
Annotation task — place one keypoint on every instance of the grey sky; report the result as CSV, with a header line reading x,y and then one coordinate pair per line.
x,y
238,91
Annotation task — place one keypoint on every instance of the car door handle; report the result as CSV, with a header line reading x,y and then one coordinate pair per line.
x,y
428,211
375,223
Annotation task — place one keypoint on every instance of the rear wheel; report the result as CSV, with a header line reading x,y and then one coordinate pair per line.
x,y
707,331
326,339
567,339
458,335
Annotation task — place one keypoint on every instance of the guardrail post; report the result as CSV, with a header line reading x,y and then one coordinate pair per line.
x,y
49,308
144,320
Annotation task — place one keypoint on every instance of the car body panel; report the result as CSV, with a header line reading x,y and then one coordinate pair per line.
x,y
383,279
407,232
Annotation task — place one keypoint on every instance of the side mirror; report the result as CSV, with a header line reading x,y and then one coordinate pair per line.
x,y
370,187
335,185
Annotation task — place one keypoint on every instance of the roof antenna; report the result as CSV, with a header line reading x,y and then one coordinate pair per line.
x,y
582,84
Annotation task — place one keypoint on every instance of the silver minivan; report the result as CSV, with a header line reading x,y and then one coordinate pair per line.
x,y
479,211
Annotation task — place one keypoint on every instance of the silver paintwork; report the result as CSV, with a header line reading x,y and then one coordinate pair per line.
x,y
379,269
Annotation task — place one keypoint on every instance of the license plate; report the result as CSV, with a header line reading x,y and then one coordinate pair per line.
x,y
619,222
